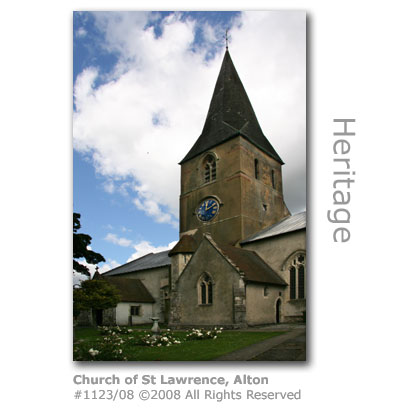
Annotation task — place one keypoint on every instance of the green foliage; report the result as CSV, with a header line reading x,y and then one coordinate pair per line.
x,y
120,330
81,243
202,334
95,294
166,338
108,348
188,350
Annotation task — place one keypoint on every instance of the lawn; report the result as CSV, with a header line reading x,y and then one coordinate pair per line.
x,y
190,350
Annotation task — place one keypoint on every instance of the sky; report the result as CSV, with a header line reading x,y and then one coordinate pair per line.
x,y
142,85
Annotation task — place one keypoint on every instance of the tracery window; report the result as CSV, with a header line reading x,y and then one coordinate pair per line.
x,y
205,290
209,168
297,277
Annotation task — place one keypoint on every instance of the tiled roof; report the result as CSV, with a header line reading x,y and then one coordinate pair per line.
x,y
230,114
186,244
131,290
149,261
289,224
253,267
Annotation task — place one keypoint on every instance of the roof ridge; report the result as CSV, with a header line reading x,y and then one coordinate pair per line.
x,y
126,263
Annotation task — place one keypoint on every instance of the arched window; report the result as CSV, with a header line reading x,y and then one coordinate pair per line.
x,y
205,290
297,277
209,168
256,171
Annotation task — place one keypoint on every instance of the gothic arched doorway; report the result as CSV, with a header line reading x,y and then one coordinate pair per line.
x,y
278,310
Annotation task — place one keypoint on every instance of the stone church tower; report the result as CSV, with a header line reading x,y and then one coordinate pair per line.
x,y
231,184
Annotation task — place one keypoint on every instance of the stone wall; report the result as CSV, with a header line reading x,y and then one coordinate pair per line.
x,y
276,252
247,204
261,308
228,305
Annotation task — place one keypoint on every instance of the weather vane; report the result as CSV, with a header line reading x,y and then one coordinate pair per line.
x,y
227,38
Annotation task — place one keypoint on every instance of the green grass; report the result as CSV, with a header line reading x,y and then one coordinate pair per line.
x,y
192,350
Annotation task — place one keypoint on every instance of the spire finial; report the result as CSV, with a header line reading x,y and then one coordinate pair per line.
x,y
227,38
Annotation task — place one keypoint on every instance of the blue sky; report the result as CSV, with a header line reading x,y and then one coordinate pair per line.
x,y
142,86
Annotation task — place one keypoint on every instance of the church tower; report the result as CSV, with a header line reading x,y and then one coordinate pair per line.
x,y
231,184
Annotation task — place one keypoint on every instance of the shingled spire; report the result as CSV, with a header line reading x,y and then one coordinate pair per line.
x,y
230,114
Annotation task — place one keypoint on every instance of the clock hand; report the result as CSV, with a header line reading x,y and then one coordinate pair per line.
x,y
211,206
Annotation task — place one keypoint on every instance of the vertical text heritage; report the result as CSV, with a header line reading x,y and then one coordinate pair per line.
x,y
340,214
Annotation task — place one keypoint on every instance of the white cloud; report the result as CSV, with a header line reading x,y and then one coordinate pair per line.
x,y
77,279
110,264
142,121
113,238
109,186
144,247
81,32
209,33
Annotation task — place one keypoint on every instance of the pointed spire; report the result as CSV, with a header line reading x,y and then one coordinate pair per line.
x,y
230,114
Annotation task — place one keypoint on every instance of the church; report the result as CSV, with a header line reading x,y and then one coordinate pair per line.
x,y
241,256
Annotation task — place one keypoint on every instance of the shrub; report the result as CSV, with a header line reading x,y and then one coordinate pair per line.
x,y
107,349
107,330
202,334
163,339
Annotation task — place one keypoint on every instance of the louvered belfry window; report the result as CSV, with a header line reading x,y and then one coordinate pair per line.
x,y
256,170
210,168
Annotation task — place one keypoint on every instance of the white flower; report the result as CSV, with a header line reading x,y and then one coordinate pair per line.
x,y
215,337
93,352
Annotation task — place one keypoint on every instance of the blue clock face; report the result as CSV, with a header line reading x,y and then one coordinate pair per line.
x,y
207,210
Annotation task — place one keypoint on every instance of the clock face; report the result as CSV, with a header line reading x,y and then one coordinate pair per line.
x,y
207,210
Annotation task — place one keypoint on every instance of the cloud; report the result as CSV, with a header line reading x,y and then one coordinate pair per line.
x,y
141,119
109,186
144,247
141,248
81,32
113,238
110,264
107,266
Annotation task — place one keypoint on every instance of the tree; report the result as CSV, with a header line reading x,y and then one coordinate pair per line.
x,y
81,242
95,294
